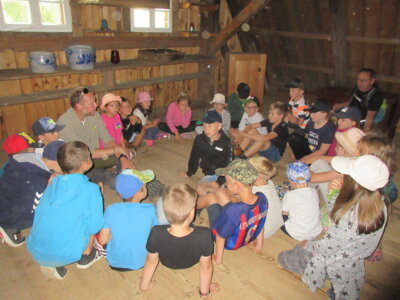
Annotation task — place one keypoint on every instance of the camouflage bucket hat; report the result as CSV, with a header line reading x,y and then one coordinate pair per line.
x,y
239,169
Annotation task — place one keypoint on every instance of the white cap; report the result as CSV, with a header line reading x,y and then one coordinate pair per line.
x,y
219,99
367,170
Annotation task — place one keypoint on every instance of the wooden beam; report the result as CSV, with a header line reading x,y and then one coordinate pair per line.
x,y
377,40
303,67
128,3
339,43
293,34
243,16
57,42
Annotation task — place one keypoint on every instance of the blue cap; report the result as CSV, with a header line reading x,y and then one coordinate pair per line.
x,y
349,112
212,116
298,172
130,181
51,149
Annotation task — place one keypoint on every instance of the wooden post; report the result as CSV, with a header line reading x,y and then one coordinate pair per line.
x,y
76,19
339,43
244,15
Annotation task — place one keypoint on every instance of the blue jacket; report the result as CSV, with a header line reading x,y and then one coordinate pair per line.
x,y
24,179
71,209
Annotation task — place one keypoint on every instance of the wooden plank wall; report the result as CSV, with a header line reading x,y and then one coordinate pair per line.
x,y
15,118
297,36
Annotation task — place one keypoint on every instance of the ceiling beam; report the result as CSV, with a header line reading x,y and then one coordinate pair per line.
x,y
243,16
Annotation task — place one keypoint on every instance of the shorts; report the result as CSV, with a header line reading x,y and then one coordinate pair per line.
x,y
272,153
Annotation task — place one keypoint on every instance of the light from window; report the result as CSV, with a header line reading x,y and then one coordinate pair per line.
x,y
35,15
151,20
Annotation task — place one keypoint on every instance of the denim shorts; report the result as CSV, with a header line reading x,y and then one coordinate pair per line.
x,y
272,153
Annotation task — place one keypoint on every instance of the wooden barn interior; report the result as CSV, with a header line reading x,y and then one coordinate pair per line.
x,y
215,44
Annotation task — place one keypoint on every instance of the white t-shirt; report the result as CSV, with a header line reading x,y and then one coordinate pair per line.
x,y
303,207
141,116
256,118
274,219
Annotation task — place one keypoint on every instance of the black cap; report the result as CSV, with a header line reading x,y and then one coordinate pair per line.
x,y
349,112
211,117
296,84
319,105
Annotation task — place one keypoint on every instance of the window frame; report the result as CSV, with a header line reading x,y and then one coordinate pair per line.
x,y
152,28
37,25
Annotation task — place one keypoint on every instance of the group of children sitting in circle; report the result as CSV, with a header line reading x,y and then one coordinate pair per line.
x,y
351,171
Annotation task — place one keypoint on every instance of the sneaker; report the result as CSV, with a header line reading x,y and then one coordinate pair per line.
x,y
12,237
54,273
100,248
88,259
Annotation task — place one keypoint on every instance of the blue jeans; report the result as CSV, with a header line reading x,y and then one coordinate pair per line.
x,y
151,133
272,153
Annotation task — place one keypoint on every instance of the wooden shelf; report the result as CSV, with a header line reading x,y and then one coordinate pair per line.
x,y
105,66
65,93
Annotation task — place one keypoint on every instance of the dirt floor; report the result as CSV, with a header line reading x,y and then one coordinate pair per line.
x,y
243,274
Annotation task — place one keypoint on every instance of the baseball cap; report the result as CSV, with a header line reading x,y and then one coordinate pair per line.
x,y
298,172
239,169
243,90
130,181
349,139
45,125
143,97
212,116
367,170
295,84
219,99
51,149
107,98
349,112
319,105
18,142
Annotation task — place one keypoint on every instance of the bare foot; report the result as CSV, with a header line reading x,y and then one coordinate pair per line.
x,y
151,285
253,247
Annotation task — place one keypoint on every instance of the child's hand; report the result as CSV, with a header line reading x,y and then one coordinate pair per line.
x,y
335,184
178,137
303,243
134,119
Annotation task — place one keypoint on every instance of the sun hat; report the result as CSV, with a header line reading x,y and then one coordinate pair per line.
x,y
349,139
107,98
367,170
219,99
18,142
349,112
45,125
239,169
51,149
130,181
298,172
143,97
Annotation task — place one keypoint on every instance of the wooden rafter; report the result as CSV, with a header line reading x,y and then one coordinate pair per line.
x,y
243,16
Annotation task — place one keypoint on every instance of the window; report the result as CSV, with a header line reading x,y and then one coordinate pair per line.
x,y
35,15
151,20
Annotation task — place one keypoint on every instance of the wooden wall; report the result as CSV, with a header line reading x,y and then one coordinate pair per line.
x,y
298,38
25,96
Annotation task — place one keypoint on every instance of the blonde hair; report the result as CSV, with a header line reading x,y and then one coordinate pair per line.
x,y
179,200
280,106
263,166
182,96
371,215
379,147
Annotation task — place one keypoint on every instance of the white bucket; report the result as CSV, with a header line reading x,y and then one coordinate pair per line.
x,y
81,57
42,62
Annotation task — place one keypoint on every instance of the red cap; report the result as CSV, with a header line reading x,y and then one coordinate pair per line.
x,y
18,142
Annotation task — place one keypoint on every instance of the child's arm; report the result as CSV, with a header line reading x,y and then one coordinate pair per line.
x,y
258,137
326,158
324,176
104,236
149,269
206,272
320,152
219,249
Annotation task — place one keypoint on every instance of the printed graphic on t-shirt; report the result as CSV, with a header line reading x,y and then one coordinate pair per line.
x,y
313,139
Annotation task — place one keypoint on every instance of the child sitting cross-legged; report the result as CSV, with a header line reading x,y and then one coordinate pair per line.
x,y
301,205
238,223
180,245
128,219
69,214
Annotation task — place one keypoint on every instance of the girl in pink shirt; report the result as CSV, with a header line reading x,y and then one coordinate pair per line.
x,y
178,117
110,105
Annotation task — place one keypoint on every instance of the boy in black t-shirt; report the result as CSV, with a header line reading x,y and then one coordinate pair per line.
x,y
180,245
273,144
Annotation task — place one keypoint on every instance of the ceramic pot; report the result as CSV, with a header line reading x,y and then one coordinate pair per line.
x,y
42,62
81,57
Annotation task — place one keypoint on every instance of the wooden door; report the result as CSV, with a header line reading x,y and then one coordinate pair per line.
x,y
247,68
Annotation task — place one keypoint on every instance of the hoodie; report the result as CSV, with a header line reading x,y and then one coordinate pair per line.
x,y
71,209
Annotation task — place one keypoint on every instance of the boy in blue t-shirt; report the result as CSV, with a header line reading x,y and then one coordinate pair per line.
x,y
69,214
239,223
128,224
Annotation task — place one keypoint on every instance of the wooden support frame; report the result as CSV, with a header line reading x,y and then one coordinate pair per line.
x,y
244,15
